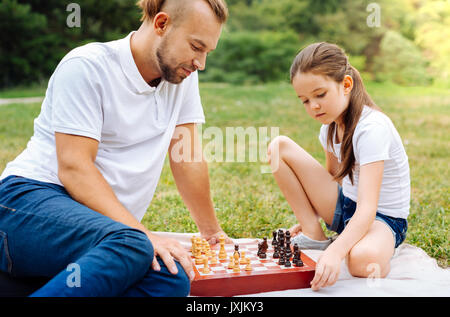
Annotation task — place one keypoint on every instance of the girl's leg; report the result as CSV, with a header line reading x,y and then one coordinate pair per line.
x,y
372,254
308,188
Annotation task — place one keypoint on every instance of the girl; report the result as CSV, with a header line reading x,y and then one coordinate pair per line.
x,y
364,192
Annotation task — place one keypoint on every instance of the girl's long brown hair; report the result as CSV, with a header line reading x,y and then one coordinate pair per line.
x,y
329,60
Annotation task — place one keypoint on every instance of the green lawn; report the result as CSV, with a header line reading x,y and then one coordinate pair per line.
x,y
248,203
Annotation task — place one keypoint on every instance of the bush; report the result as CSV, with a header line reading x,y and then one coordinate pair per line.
x,y
400,61
34,35
249,58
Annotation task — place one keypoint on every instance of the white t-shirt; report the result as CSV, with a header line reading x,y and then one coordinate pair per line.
x,y
97,91
376,139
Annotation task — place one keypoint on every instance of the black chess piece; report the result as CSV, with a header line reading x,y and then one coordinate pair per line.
x,y
281,240
265,245
276,255
236,249
299,263
274,234
281,259
287,263
288,248
280,237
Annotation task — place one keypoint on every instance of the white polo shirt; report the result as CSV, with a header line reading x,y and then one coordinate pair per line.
x,y
97,91
376,139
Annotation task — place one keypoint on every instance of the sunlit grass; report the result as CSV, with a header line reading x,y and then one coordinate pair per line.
x,y
248,203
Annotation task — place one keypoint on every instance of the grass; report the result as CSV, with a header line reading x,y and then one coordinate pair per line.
x,y
36,90
248,203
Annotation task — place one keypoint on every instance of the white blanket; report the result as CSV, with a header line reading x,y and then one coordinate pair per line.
x,y
413,273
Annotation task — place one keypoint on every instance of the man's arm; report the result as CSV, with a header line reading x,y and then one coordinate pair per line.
x,y
85,184
190,171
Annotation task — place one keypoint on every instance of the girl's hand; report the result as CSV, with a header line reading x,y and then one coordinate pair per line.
x,y
327,270
295,230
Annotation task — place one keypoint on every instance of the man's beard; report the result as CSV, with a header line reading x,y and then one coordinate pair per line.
x,y
167,73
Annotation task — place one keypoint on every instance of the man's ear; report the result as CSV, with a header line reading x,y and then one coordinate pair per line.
x,y
161,22
348,84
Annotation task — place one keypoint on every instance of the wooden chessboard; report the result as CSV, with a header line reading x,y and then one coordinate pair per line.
x,y
266,275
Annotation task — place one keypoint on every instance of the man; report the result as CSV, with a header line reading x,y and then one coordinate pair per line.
x,y
72,201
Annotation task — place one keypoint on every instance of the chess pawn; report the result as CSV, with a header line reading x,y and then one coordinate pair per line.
x,y
197,247
214,259
206,269
281,259
274,234
243,258
287,263
236,268
222,252
248,267
231,263
236,251
236,258
276,255
193,244
205,246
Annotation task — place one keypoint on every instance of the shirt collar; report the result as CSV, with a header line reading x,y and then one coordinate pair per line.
x,y
130,69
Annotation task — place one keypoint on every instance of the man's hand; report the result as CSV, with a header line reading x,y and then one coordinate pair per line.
x,y
214,238
169,249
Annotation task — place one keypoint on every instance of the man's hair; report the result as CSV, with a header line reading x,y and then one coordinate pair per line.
x,y
150,8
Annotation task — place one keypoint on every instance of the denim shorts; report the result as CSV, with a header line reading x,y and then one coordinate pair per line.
x,y
345,208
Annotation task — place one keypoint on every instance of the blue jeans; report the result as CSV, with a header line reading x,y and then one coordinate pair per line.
x,y
45,233
345,208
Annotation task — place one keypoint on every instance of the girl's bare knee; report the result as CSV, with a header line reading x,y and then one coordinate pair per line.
x,y
276,147
367,262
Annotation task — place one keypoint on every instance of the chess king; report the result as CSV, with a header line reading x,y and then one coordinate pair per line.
x,y
79,190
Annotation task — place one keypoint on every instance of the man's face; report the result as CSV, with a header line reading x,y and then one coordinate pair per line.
x,y
184,48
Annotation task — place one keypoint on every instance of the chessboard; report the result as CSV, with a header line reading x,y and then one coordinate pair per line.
x,y
254,273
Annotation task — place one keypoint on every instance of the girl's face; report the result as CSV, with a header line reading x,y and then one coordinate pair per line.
x,y
324,99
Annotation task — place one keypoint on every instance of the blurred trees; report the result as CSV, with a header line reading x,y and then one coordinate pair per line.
x,y
34,35
411,45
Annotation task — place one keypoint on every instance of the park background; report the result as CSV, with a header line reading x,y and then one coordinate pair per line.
x,y
404,61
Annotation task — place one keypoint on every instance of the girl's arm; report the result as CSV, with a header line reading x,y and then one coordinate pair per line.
x,y
332,163
370,178
329,264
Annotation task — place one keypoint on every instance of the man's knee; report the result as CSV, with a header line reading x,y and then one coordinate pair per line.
x,y
181,283
135,247
162,283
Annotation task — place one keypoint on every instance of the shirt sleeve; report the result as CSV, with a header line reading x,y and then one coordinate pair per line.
x,y
323,136
191,109
76,99
372,143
